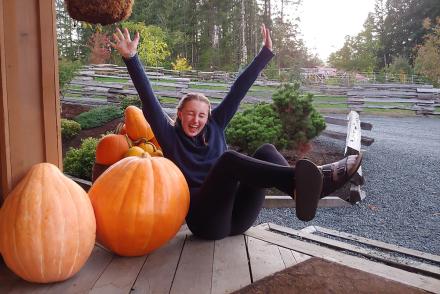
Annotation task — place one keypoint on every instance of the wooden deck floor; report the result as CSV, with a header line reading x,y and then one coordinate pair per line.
x,y
190,265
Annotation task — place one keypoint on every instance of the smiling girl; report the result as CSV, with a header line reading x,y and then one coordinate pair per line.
x,y
227,188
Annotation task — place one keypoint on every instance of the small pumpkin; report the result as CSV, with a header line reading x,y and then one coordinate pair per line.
x,y
156,143
134,151
148,147
47,226
139,203
111,148
136,125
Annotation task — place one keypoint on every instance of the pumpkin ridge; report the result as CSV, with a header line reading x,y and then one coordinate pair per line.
x,y
77,226
16,260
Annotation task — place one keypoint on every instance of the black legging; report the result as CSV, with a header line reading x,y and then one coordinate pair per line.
x,y
232,195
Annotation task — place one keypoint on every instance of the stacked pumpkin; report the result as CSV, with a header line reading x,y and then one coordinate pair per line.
x,y
131,138
141,200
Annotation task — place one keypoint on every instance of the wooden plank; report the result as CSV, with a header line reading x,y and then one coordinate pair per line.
x,y
353,142
299,257
30,87
407,278
231,269
380,244
7,278
287,257
365,140
119,275
356,194
84,280
344,122
158,271
194,272
400,262
425,90
265,258
287,201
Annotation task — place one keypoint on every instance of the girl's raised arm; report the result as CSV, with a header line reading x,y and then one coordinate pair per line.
x,y
151,107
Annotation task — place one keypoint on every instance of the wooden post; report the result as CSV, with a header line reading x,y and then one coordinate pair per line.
x,y
29,109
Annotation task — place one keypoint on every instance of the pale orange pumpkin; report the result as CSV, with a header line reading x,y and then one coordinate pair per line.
x,y
47,226
140,203
136,125
112,148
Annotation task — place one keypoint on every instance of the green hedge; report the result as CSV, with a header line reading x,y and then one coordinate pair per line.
x,y
78,162
98,116
69,129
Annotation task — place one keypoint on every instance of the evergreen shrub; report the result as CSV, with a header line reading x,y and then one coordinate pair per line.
x,y
301,122
98,116
78,162
69,129
291,121
255,126
130,100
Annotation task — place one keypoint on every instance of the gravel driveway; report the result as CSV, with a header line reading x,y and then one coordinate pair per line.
x,y
402,173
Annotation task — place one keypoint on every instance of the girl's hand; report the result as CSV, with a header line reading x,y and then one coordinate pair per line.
x,y
267,41
123,43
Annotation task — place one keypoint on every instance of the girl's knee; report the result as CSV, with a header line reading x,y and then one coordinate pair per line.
x,y
265,149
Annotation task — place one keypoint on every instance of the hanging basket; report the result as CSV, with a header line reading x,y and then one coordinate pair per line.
x,y
99,11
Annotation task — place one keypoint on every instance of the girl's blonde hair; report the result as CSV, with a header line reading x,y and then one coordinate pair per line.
x,y
193,96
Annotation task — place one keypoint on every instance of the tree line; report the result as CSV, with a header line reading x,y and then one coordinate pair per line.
x,y
207,34
399,36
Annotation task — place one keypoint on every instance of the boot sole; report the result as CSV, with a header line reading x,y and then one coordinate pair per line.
x,y
308,186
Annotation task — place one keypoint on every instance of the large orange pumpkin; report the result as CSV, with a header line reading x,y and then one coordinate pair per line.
x,y
136,125
111,148
47,226
140,203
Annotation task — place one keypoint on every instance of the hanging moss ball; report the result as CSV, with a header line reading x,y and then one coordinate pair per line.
x,y
102,12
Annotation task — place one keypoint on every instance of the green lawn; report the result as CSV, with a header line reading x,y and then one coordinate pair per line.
x,y
110,80
208,87
262,88
168,100
317,98
403,104
327,105
379,111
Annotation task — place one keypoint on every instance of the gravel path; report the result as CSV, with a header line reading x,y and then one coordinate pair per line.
x,y
402,173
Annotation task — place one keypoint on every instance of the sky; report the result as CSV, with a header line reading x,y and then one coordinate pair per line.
x,y
325,23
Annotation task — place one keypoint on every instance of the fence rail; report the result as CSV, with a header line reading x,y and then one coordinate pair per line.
x,y
100,84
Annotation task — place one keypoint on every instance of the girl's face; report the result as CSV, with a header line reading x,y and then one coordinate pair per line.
x,y
194,116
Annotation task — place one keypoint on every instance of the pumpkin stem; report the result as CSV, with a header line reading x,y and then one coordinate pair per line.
x,y
129,141
140,140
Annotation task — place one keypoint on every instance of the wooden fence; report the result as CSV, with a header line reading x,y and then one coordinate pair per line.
x,y
423,99
88,88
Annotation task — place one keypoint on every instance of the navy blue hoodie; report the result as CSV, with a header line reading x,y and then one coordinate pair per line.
x,y
191,155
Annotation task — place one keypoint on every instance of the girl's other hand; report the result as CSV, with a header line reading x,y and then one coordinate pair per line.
x,y
267,41
123,43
